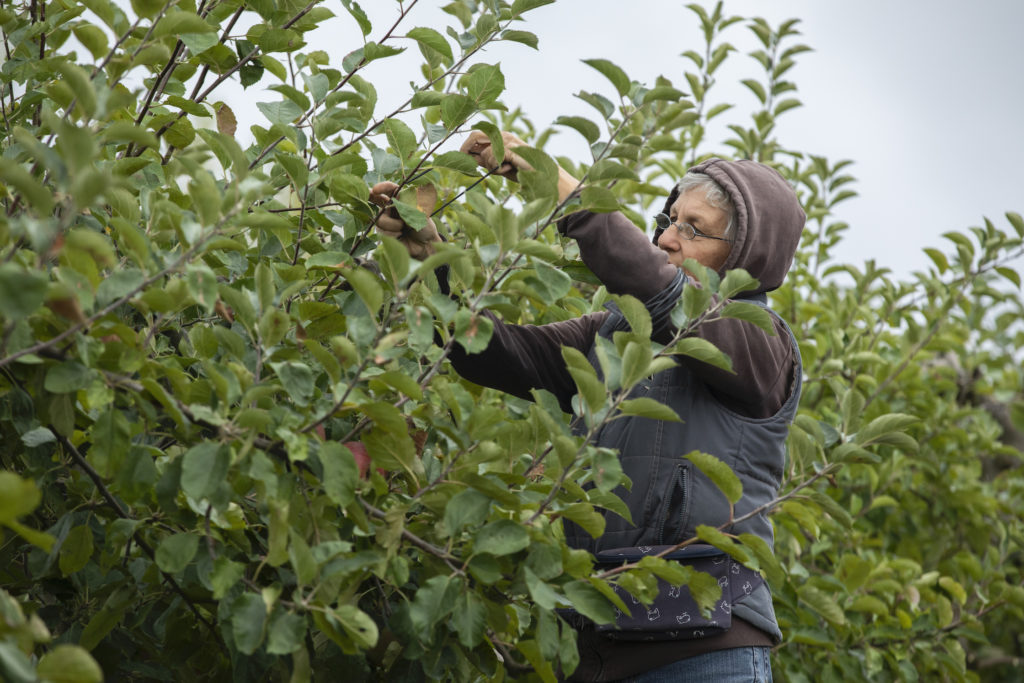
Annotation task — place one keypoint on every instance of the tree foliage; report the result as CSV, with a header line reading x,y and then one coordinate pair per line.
x,y
232,444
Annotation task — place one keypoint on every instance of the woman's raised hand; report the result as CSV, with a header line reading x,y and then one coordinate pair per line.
x,y
478,146
419,243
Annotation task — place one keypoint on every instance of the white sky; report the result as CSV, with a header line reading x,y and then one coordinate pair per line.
x,y
924,95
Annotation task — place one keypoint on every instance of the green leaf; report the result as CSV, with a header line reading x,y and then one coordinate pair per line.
x,y
202,285
650,408
752,313
455,109
110,440
76,550
472,330
78,79
737,281
954,588
938,258
203,469
433,602
704,351
177,21
468,618
635,362
359,15
296,170
18,497
463,163
868,603
534,653
341,475
108,616
67,377
766,557
663,92
429,39
589,601
358,625
590,387
401,138
720,474
606,169
286,633
282,113
38,437
93,38
550,283
521,6
822,603
484,83
22,292
1010,274
175,552
502,537
225,575
297,379
524,37
367,286
883,428
118,284
392,451
1017,222
427,98
598,200
637,315
713,536
465,507
69,664
582,125
248,614
413,217
301,559
589,519
832,508
612,72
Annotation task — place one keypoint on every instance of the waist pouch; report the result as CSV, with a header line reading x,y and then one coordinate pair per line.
x,y
674,614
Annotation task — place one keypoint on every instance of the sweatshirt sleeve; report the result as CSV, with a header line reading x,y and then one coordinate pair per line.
x,y
625,260
524,357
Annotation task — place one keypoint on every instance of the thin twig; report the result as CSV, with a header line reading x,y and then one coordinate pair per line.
x,y
139,540
440,553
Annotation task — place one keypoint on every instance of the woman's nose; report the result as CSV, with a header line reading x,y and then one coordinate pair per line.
x,y
668,240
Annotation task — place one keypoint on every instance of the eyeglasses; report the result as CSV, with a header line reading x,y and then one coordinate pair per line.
x,y
685,230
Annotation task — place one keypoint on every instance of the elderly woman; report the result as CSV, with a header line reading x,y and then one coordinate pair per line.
x,y
723,214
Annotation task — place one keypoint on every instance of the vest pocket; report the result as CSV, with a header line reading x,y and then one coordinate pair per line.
x,y
675,509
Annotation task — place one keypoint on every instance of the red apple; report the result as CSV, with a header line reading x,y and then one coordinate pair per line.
x,y
361,456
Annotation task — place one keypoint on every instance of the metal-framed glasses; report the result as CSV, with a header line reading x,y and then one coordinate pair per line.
x,y
685,230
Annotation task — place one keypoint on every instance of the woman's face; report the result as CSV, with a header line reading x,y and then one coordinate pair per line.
x,y
693,208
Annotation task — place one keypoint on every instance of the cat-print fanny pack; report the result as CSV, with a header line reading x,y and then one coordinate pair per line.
x,y
674,614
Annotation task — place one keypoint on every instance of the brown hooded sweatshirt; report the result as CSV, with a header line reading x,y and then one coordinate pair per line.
x,y
769,222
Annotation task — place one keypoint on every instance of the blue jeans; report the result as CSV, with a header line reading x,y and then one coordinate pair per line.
x,y
736,665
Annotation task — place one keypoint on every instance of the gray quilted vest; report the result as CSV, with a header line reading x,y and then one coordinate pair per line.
x,y
670,497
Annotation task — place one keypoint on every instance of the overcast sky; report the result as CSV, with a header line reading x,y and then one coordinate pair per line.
x,y
924,95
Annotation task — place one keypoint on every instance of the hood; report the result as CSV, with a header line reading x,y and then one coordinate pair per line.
x,y
769,219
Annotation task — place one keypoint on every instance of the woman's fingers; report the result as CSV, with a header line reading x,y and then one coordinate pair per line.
x,y
382,193
390,224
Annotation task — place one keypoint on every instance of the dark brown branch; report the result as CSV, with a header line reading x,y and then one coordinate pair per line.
x,y
141,542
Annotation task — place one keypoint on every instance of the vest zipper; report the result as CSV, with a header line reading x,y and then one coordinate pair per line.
x,y
678,485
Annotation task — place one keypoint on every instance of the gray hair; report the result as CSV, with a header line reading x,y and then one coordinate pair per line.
x,y
714,194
